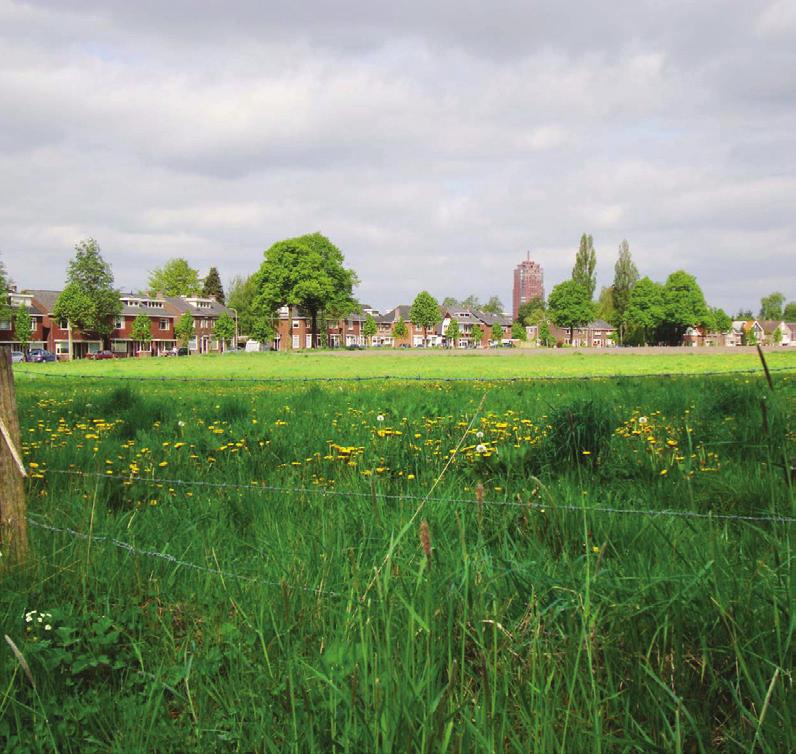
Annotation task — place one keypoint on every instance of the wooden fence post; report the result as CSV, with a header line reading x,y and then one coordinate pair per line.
x,y
13,511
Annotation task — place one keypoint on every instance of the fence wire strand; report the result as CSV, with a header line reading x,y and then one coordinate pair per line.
x,y
261,488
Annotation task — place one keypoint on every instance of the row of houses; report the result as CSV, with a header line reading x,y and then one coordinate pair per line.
x,y
52,334
770,332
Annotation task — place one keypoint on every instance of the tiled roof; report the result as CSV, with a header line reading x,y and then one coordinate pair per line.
x,y
46,299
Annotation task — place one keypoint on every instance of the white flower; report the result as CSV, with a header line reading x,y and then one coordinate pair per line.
x,y
480,448
642,420
380,418
479,434
48,627
180,423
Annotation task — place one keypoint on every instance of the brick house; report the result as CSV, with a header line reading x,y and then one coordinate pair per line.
x,y
597,334
205,312
161,326
37,335
55,333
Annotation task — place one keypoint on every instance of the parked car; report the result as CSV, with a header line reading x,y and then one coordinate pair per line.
x,y
17,356
182,351
101,355
38,355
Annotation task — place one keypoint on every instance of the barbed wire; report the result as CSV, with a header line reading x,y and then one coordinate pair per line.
x,y
395,378
133,550
261,488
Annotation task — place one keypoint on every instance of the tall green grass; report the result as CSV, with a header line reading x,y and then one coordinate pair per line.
x,y
539,621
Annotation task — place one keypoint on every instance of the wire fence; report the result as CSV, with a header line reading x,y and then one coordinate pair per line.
x,y
262,488
395,378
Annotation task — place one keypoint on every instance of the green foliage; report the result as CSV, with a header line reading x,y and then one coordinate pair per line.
x,y
224,328
683,306
399,329
497,331
493,306
748,337
184,329
580,433
720,321
789,313
262,330
242,293
141,330
605,305
771,306
370,328
518,331
212,286
307,272
531,312
570,304
477,334
175,278
744,315
453,332
450,303
89,301
546,338
625,277
585,264
472,302
425,311
645,309
22,325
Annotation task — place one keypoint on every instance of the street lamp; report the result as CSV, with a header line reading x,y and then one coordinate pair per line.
x,y
235,312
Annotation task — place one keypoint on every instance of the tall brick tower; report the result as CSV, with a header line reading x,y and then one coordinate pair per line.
x,y
528,283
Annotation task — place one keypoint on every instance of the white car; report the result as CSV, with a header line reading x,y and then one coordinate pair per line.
x,y
17,356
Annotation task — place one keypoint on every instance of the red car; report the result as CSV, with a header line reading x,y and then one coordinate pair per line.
x,y
102,355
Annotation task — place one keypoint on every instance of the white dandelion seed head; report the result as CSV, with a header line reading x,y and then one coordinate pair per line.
x,y
380,418
479,434
642,420
481,448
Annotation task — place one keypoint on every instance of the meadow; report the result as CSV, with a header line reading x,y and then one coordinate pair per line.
x,y
582,565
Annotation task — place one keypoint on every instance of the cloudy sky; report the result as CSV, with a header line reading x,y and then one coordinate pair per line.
x,y
434,142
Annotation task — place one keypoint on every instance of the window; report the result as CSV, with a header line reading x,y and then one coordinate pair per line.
x,y
118,323
308,341
164,323
63,324
61,347
295,341
33,324
296,324
5,324
119,346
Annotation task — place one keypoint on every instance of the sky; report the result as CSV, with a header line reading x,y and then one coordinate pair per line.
x,y
435,143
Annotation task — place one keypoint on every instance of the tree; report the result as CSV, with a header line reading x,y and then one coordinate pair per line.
x,y
453,333
242,292
570,305
605,305
644,310
477,334
744,315
518,331
721,321
175,278
370,328
89,301
306,272
184,329
625,277
789,314
262,330
528,313
425,312
224,329
493,306
472,302
5,309
546,338
212,286
585,264
683,306
22,325
399,329
497,332
771,306
450,303
141,331
748,337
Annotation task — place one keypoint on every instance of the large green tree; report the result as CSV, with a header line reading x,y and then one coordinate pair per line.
x,y
518,331
224,329
425,312
89,301
625,277
307,272
683,306
141,331
175,278
605,305
585,265
718,320
771,307
644,312
399,329
212,286
241,298
450,303
789,314
22,325
493,306
570,305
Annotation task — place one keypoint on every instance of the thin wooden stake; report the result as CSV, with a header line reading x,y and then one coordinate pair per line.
x,y
13,510
765,367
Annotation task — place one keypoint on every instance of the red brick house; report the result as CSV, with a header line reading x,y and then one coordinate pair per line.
x,y
7,333
205,312
161,326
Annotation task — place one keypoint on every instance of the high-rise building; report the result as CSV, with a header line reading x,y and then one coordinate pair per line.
x,y
528,283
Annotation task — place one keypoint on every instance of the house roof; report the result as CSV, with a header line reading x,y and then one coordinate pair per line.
x,y
181,305
769,325
44,298
601,324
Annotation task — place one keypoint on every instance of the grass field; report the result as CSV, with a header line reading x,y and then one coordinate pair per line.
x,y
432,364
579,566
